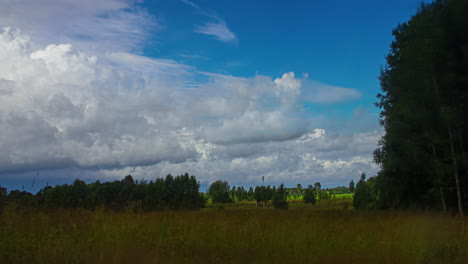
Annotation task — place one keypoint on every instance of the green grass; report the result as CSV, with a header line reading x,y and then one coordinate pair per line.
x,y
343,196
334,196
241,233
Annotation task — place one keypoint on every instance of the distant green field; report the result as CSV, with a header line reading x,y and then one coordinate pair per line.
x,y
334,196
329,232
345,195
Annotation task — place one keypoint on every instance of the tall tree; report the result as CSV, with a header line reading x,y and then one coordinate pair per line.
x,y
423,103
309,195
351,186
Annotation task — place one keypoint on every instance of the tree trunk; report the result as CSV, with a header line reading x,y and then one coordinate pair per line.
x,y
444,206
455,171
462,147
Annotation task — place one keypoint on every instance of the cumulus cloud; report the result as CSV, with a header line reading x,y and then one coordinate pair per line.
x,y
304,160
110,114
63,107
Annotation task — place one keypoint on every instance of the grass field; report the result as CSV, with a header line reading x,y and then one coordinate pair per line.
x,y
239,233
334,196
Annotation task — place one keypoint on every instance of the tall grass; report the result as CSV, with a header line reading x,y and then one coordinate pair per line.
x,y
234,235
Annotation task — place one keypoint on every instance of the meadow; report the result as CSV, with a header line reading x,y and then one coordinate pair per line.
x,y
329,232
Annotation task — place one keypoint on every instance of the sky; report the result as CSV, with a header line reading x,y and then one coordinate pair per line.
x,y
230,90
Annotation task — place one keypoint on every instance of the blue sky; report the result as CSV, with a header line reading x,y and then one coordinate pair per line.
x,y
230,90
338,42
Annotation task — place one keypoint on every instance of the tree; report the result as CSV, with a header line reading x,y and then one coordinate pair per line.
x,y
362,197
3,198
317,186
250,194
219,192
299,189
422,154
351,186
309,195
280,196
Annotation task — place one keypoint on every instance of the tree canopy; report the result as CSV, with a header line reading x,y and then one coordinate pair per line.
x,y
423,111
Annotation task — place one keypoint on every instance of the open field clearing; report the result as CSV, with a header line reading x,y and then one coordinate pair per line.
x,y
237,234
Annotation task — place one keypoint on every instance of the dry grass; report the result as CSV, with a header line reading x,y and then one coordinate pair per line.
x,y
234,235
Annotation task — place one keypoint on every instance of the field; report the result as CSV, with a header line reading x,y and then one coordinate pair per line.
x,y
330,232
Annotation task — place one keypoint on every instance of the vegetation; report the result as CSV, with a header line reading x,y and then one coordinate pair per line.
x,y
364,196
423,101
180,192
219,192
351,186
280,197
234,235
309,195
423,166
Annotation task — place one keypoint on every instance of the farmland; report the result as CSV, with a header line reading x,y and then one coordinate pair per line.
x,y
329,232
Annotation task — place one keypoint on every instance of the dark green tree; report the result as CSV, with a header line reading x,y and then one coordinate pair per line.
x,y
219,192
351,186
310,195
280,196
3,198
362,199
423,101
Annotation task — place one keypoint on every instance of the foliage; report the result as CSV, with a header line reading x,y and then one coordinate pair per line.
x,y
309,195
219,192
232,236
180,192
351,186
263,195
280,196
363,195
423,101
3,198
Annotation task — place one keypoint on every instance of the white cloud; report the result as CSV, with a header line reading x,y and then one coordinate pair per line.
x,y
62,107
75,101
318,92
190,4
109,25
218,30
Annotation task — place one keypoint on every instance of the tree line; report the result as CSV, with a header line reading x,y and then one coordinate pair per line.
x,y
179,192
220,192
423,153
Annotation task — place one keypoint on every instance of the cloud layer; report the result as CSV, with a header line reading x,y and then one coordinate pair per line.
x,y
76,101
100,25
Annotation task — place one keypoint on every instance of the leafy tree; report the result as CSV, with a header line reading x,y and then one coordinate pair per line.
x,y
317,186
423,101
263,194
3,198
351,186
299,189
309,195
280,196
363,195
219,192
250,194
202,200
21,199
